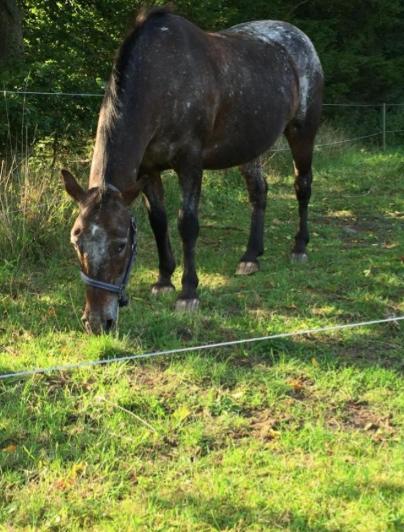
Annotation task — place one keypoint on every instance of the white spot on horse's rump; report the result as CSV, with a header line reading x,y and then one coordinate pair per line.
x,y
304,93
296,44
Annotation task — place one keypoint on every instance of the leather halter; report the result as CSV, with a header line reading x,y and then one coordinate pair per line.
x,y
119,288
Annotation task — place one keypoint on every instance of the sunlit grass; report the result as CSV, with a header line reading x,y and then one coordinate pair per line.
x,y
302,433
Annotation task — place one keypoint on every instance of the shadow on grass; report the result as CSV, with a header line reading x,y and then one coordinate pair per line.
x,y
348,284
221,513
160,328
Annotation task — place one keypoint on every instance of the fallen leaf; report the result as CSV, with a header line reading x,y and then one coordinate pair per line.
x,y
369,426
10,448
297,385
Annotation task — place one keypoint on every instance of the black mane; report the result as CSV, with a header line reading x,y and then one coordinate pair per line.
x,y
121,63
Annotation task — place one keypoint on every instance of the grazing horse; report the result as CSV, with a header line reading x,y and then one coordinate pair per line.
x,y
185,99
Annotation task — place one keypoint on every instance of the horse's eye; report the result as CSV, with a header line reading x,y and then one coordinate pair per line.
x,y
120,248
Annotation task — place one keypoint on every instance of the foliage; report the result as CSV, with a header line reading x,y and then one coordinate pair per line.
x,y
293,434
69,46
10,32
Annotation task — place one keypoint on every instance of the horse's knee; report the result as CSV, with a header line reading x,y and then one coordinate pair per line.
x,y
158,219
261,189
188,224
257,191
303,188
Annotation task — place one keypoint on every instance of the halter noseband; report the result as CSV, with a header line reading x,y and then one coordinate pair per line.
x,y
118,289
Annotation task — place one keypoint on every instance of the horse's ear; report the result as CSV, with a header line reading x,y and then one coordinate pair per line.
x,y
72,187
131,193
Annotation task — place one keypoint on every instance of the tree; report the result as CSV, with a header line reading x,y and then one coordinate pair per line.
x,y
11,43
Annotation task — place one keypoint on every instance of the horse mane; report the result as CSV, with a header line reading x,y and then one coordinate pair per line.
x,y
121,61
110,107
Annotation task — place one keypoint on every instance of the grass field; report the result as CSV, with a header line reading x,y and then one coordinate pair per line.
x,y
292,434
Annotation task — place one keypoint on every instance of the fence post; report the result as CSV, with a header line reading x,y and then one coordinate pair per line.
x,y
384,125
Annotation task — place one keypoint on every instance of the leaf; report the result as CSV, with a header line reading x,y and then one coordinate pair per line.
x,y
297,385
10,448
370,426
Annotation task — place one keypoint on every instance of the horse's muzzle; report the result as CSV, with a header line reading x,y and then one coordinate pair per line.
x,y
98,326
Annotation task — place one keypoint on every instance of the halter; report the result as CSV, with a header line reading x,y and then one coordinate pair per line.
x,y
118,289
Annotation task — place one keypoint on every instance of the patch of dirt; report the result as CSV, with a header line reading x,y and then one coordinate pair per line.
x,y
357,415
149,377
383,353
351,225
265,426
300,387
356,231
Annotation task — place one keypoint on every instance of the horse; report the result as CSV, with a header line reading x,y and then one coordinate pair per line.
x,y
185,99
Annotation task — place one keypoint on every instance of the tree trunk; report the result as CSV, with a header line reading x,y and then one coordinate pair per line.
x,y
11,43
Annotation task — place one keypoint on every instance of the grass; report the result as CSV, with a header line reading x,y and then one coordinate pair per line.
x,y
296,434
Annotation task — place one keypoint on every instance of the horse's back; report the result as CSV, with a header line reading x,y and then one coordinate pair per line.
x,y
299,48
229,94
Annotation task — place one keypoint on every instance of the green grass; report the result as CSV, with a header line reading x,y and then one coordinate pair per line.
x,y
304,433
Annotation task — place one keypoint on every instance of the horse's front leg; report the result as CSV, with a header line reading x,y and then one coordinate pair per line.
x,y
190,177
153,194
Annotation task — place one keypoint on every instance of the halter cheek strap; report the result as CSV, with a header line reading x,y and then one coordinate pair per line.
x,y
118,289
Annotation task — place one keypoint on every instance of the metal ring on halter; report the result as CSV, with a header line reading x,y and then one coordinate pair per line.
x,y
117,288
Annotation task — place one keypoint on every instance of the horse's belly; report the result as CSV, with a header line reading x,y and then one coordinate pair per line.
x,y
244,136
236,151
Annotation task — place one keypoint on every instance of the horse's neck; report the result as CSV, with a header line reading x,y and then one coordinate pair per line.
x,y
118,151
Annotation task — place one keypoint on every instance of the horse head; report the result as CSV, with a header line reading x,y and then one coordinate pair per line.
x,y
104,238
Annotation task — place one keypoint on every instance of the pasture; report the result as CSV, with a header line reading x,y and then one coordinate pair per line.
x,y
304,433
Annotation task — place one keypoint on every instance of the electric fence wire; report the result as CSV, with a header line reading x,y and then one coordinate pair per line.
x,y
190,349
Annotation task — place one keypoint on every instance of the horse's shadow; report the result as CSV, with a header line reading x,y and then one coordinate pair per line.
x,y
228,303
227,314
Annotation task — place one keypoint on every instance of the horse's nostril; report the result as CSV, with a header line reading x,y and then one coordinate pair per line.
x,y
108,325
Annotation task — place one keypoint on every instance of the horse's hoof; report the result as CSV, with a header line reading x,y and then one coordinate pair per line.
x,y
247,268
187,305
158,289
299,258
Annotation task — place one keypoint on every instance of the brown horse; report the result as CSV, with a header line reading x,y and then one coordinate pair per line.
x,y
184,99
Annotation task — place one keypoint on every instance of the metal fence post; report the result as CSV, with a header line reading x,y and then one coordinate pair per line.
x,y
384,125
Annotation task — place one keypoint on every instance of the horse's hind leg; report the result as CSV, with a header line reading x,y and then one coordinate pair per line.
x,y
257,192
300,136
154,199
